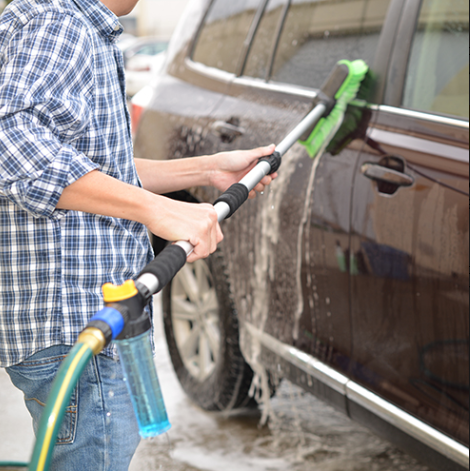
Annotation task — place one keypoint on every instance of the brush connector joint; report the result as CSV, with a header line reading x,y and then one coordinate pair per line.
x,y
327,102
274,160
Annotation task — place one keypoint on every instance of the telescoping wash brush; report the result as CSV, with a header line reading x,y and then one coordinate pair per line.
x,y
125,319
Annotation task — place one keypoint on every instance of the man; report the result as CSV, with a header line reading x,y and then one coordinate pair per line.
x,y
75,208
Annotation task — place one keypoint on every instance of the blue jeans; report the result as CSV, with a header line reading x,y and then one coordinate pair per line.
x,y
99,431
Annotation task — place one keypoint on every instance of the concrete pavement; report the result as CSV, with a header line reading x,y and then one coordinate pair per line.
x,y
16,431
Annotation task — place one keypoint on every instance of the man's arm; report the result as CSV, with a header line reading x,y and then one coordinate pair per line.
x,y
219,170
98,193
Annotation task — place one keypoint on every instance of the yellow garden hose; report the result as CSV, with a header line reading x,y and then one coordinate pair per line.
x,y
90,342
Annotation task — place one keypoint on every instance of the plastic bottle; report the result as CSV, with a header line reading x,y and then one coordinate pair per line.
x,y
143,385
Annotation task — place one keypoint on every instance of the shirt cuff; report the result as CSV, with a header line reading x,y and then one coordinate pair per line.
x,y
40,193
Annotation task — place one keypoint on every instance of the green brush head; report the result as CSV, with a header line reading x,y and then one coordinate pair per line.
x,y
327,127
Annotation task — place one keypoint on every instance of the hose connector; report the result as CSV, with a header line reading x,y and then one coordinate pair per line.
x,y
94,338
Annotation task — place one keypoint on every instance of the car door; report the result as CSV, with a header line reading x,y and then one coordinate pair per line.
x,y
409,225
288,249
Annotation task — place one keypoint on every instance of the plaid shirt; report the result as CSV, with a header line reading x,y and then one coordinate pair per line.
x,y
62,114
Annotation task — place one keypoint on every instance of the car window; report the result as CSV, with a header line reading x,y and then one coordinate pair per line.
x,y
262,47
438,68
221,39
319,33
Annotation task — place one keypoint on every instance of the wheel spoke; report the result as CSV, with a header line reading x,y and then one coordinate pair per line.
x,y
189,283
210,303
183,310
190,343
205,360
202,278
213,337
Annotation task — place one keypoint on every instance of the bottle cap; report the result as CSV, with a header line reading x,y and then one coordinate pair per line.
x,y
113,293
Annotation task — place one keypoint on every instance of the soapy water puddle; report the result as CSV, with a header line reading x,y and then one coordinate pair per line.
x,y
306,436
303,434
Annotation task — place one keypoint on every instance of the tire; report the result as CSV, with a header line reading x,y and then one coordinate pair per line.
x,y
202,332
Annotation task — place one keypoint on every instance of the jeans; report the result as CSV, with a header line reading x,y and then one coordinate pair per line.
x,y
99,431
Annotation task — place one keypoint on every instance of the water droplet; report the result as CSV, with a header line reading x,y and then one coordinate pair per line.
x,y
111,394
108,414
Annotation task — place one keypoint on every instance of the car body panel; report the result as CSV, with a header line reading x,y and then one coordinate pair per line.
x,y
320,264
409,291
410,296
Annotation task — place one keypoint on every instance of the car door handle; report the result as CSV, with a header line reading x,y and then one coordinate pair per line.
x,y
227,130
378,172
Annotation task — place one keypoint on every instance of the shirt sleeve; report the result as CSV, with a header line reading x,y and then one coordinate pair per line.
x,y
46,103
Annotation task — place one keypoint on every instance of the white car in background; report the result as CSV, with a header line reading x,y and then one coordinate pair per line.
x,y
143,57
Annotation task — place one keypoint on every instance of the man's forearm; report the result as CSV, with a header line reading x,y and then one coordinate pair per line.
x,y
165,176
98,193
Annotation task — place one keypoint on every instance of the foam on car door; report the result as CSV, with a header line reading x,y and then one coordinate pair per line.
x,y
289,249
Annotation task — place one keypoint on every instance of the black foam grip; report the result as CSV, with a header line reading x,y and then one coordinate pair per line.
x,y
166,265
235,196
274,160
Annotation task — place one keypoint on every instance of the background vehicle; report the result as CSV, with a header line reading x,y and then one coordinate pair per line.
x,y
143,57
350,276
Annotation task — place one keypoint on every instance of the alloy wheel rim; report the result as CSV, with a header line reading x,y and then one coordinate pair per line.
x,y
195,318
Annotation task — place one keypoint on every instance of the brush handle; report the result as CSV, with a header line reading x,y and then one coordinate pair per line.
x,y
158,273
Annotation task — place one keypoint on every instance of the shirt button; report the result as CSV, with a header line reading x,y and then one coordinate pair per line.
x,y
117,27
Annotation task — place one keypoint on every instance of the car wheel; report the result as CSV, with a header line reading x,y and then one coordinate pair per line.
x,y
202,331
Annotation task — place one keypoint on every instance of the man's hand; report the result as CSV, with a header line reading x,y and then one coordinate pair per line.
x,y
98,193
196,223
219,170
230,167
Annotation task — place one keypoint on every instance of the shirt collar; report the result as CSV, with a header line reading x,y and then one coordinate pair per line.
x,y
104,20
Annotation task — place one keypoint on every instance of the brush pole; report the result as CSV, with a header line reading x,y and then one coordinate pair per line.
x,y
166,265
307,123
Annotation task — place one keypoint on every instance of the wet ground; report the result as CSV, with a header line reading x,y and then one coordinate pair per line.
x,y
303,435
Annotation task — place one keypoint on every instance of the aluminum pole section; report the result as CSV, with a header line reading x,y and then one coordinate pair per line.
x,y
308,122
250,180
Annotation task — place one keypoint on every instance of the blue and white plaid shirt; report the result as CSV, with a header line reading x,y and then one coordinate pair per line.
x,y
62,114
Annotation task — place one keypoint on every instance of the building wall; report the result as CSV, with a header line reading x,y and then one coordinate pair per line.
x,y
150,17
158,17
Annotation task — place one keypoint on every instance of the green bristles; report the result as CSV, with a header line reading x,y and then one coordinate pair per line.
x,y
327,127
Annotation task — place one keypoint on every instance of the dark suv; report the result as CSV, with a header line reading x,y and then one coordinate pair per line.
x,y
350,275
